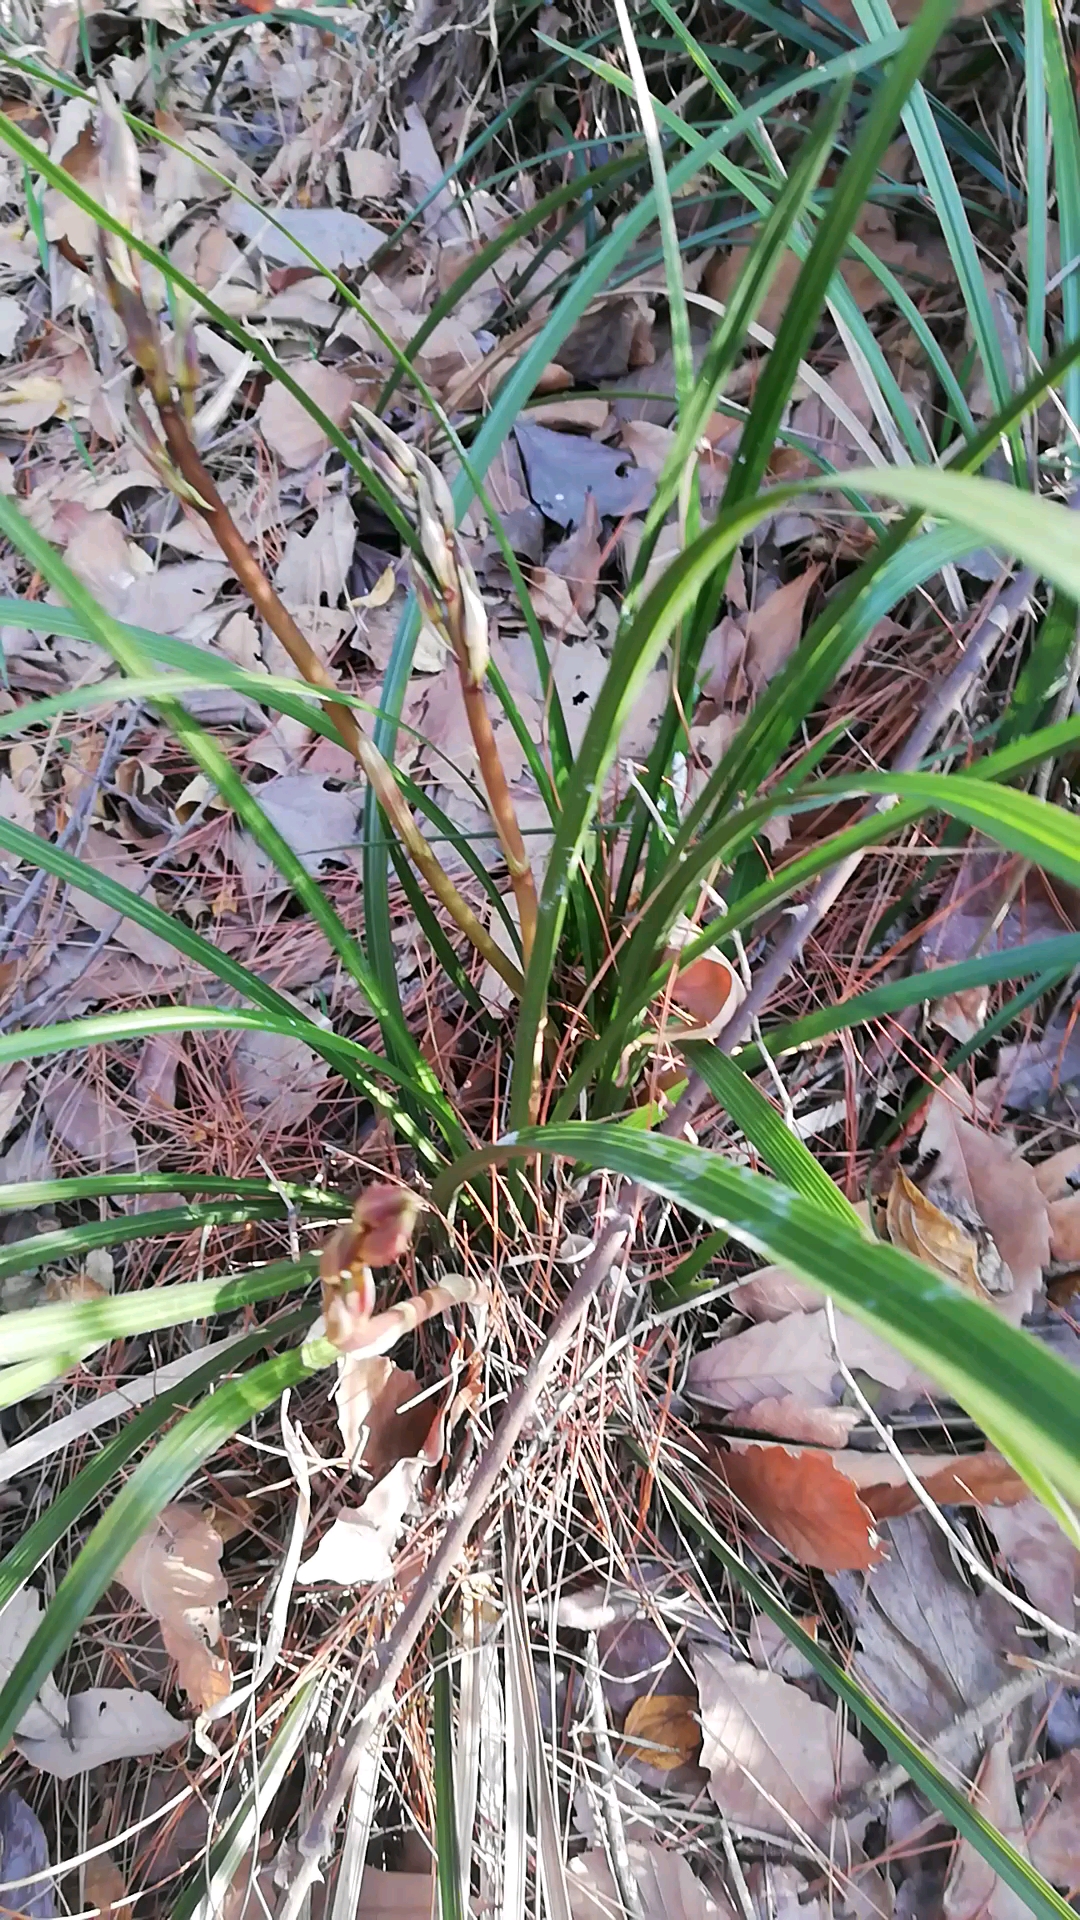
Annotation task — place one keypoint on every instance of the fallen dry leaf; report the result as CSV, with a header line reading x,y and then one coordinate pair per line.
x,y
772,1293
667,1887
973,1890
1043,1074
564,468
29,1888
279,1076
1041,1556
396,1896
290,432
105,1888
577,559
662,1730
105,1724
786,1417
992,906
774,628
20,1618
801,1497
927,1647
952,1240
1053,1839
981,1479
84,1115
794,1356
1064,1218
174,1573
336,237
1059,1177
777,1759
371,175
358,1548
360,1380
1005,1194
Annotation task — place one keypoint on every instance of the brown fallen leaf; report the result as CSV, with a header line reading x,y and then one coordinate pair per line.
x,y
793,1356
801,1498
949,1241
785,1417
1053,1838
1064,1218
576,560
662,1730
396,1896
105,1887
973,1890
174,1572
983,1479
928,1648
774,628
1041,1556
290,432
1057,1177
774,1292
777,1759
1005,1194
992,906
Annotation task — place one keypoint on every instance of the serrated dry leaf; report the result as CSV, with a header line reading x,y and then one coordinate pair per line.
x,y
291,433
777,1760
667,1887
358,1548
973,1890
982,1479
1041,1556
803,1499
662,1730
795,1356
174,1572
105,1724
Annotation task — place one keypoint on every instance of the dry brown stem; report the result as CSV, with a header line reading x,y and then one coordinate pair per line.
x,y
307,662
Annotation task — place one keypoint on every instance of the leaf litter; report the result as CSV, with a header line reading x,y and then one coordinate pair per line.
x,y
807,1483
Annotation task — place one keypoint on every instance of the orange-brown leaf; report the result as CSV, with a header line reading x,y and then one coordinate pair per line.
x,y
662,1730
805,1502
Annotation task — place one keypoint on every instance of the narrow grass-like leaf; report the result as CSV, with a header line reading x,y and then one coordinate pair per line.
x,y
788,1156
97,1476
47,1329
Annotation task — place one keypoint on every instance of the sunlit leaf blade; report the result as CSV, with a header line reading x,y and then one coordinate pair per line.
x,y
788,1156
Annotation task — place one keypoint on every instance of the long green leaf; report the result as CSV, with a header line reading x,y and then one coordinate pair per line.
x,y
788,1156
47,1329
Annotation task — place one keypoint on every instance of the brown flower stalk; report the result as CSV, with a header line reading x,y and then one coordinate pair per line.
x,y
455,608
195,488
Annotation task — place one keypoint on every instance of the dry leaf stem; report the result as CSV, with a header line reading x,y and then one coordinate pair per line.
x,y
451,600
273,610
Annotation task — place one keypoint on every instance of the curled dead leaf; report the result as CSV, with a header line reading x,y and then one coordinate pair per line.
x,y
940,1240
174,1572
